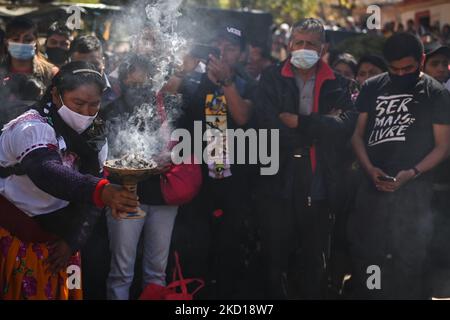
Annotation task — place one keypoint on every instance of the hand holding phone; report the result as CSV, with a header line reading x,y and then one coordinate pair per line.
x,y
387,178
203,52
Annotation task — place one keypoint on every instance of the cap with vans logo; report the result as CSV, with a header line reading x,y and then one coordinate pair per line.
x,y
233,34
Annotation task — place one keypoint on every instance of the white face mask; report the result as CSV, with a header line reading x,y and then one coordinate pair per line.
x,y
76,121
304,58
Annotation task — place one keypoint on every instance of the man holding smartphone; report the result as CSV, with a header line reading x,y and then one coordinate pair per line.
x,y
402,133
214,220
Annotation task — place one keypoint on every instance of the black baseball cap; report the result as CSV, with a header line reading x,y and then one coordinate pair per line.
x,y
233,34
436,48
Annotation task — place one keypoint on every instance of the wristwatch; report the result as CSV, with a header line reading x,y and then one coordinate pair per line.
x,y
226,82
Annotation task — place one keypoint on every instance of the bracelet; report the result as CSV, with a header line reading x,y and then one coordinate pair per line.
x,y
97,196
416,172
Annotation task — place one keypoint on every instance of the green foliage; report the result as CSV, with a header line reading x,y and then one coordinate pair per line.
x,y
82,1
361,45
282,10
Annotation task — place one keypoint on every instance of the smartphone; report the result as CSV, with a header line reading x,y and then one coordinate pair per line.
x,y
387,178
202,52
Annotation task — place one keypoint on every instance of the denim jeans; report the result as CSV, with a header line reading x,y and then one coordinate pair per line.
x,y
124,237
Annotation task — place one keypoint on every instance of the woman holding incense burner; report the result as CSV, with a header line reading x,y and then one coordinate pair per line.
x,y
50,192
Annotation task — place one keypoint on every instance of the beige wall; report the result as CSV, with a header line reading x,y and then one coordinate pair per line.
x,y
438,11
441,13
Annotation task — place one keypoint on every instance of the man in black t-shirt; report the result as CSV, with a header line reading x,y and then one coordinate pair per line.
x,y
214,221
402,133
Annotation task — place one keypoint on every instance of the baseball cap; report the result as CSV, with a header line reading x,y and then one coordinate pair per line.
x,y
436,48
233,34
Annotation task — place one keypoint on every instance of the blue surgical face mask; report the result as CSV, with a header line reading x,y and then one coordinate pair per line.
x,y
304,59
22,51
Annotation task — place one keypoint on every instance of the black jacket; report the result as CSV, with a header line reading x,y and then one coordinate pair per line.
x,y
327,135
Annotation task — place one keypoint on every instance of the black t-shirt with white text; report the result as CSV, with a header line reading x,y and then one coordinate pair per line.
x,y
399,130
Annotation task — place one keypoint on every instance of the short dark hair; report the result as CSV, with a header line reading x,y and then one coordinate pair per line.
x,y
86,44
347,59
402,45
264,48
372,59
133,62
60,29
20,24
71,76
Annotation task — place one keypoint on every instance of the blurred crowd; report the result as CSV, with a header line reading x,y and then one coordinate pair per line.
x,y
348,194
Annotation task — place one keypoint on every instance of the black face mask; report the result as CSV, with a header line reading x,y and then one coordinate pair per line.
x,y
405,82
57,55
